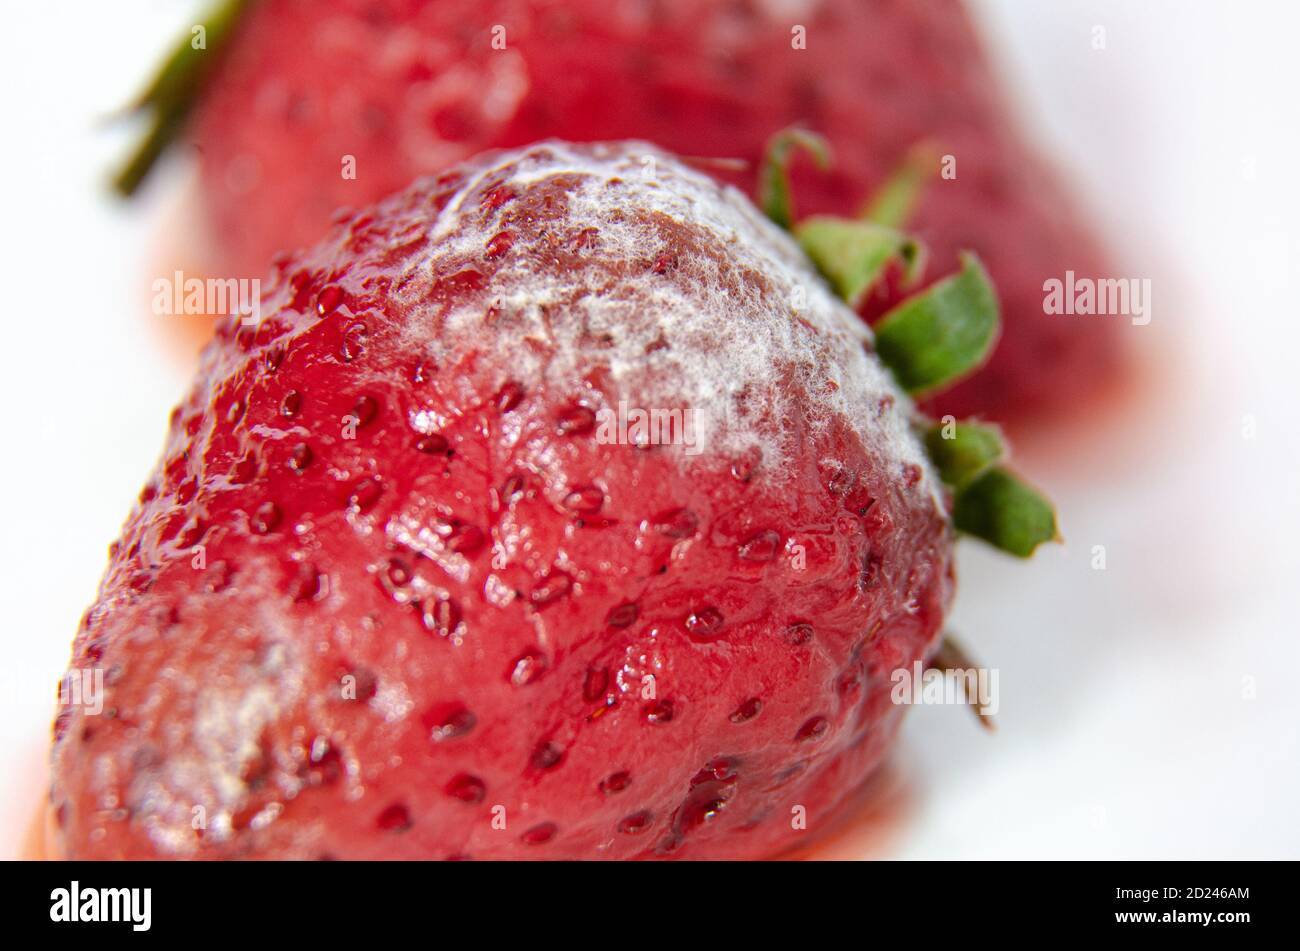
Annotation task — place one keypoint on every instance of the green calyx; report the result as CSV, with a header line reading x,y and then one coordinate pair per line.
x,y
934,338
929,341
1004,511
175,88
853,255
962,451
989,501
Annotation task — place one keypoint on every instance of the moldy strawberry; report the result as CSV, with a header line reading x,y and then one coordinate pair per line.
x,y
390,594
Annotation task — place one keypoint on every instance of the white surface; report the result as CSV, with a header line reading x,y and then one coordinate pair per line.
x,y
1124,729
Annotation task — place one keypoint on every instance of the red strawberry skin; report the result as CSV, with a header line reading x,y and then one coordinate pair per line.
x,y
407,88
439,615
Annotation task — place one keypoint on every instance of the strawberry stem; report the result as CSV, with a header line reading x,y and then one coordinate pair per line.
x,y
164,128
952,656
174,90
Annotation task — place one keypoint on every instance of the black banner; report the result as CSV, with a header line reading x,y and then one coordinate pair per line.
x,y
1221,900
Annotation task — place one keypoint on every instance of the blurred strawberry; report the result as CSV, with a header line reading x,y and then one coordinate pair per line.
x,y
313,92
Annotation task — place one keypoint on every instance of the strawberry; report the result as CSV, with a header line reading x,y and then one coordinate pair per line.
x,y
410,581
329,103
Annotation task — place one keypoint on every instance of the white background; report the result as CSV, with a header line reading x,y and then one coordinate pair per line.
x,y
1127,726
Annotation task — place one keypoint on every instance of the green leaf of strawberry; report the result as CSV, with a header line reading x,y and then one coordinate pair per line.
x,y
940,335
1005,512
853,255
963,451
930,340
892,203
